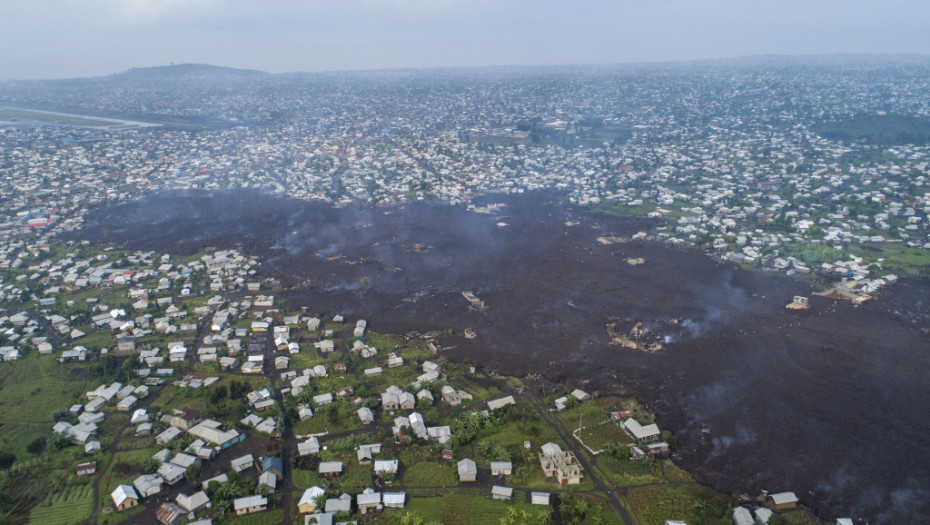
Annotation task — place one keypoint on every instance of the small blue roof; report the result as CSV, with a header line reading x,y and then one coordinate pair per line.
x,y
271,462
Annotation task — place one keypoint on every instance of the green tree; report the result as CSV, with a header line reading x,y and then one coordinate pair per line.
x,y
332,413
410,518
60,441
193,473
6,460
218,394
577,510
150,465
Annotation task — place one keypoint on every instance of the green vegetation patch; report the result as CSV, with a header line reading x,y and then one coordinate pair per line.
x,y
625,472
427,473
469,507
123,516
32,389
899,259
270,517
336,416
304,479
692,504
600,434
878,129
479,390
66,507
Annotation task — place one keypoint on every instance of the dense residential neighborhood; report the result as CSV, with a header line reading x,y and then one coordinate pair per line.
x,y
776,191
172,387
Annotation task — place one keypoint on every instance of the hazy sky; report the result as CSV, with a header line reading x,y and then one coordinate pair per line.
x,y
70,38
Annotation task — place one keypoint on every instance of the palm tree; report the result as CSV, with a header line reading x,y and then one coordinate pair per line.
x,y
544,517
410,518
512,516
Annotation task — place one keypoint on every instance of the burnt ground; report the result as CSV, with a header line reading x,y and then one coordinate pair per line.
x,y
828,402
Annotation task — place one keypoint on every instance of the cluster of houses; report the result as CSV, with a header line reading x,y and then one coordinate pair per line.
x,y
780,501
151,283
467,471
322,511
90,414
210,439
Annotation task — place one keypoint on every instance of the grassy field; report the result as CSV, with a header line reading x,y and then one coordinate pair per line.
x,y
307,358
355,478
95,339
304,479
466,507
29,488
598,435
901,259
798,517
68,507
427,473
34,116
32,389
624,472
401,376
654,504
476,389
383,342
199,399
270,517
124,516
321,422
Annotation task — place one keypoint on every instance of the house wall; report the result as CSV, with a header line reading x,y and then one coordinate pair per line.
x,y
250,510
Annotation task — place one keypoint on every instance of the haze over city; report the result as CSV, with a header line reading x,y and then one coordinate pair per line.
x,y
60,39
449,262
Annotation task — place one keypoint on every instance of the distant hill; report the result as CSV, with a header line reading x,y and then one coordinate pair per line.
x,y
186,71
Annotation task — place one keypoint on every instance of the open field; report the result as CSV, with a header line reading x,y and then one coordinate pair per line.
x,y
28,116
68,507
468,507
428,473
32,389
20,115
898,258
653,505
598,435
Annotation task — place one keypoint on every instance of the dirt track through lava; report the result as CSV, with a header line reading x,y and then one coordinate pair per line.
x,y
827,402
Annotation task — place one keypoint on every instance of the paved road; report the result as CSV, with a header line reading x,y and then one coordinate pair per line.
x,y
570,441
287,440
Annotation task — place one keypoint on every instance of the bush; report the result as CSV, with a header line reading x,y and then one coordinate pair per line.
x,y
60,441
